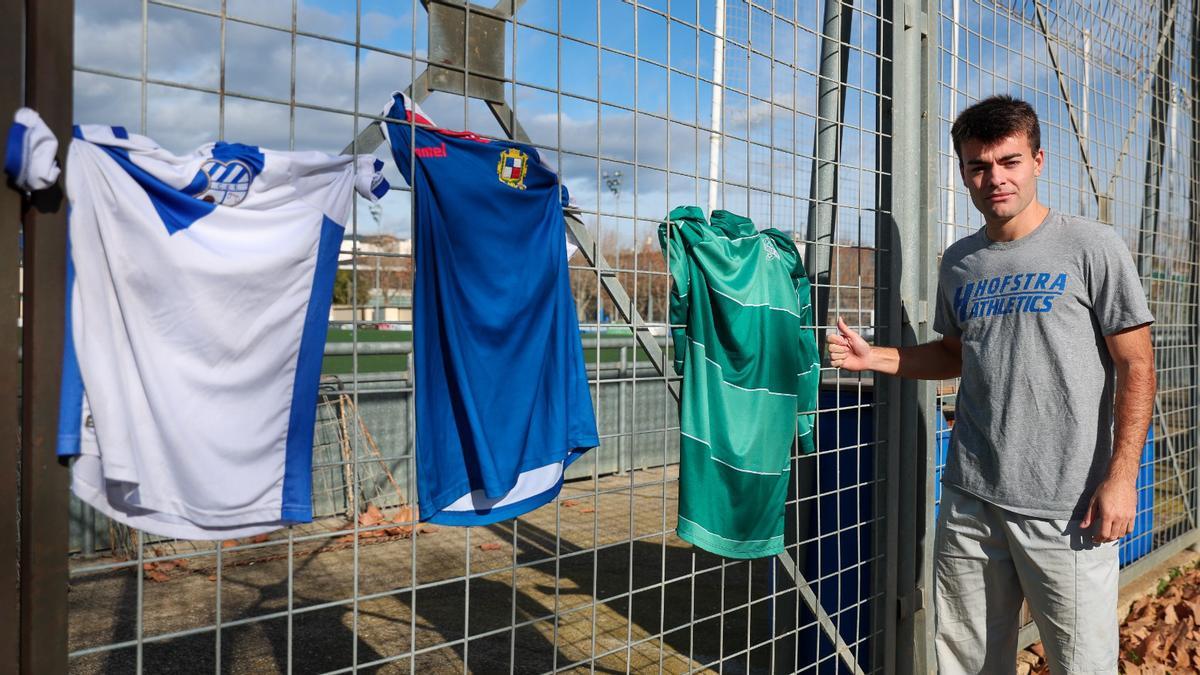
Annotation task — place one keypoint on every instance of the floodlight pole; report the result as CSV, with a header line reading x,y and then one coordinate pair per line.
x,y
714,140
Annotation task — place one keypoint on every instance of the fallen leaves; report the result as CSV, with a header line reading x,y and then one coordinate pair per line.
x,y
375,524
157,570
372,516
1162,633
402,516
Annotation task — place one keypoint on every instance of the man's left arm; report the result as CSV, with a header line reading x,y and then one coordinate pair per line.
x,y
1114,504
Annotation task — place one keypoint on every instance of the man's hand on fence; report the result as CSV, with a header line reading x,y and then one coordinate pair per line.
x,y
847,349
1111,510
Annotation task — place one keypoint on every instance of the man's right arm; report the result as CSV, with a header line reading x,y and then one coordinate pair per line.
x,y
938,360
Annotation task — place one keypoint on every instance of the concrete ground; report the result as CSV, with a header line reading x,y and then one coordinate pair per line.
x,y
614,591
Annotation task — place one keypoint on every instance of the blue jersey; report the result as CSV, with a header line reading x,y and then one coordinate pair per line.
x,y
502,397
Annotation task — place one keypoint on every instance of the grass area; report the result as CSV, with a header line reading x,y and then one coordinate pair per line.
x,y
391,363
367,363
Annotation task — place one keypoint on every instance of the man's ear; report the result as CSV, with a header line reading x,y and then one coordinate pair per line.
x,y
1039,161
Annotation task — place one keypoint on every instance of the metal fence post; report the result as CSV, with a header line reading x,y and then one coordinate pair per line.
x,y
12,95
1194,239
43,629
1156,145
906,235
822,211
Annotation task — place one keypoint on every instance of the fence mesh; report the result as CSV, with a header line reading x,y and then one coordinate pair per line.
x,y
641,106
1114,87
772,110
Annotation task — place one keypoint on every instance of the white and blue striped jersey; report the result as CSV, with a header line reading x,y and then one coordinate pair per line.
x,y
198,301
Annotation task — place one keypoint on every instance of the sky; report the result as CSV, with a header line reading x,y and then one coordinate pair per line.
x,y
655,133
613,85
1002,51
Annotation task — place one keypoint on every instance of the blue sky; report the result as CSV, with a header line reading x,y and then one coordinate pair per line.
x,y
600,121
575,92
1000,54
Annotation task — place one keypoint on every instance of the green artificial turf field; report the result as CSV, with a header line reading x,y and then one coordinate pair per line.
x,y
391,363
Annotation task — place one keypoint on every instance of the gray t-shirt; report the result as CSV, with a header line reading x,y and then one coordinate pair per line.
x,y
1034,412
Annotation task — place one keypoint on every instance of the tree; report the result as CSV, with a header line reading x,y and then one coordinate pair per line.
x,y
343,284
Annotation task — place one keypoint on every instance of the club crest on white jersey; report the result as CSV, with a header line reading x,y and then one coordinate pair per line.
x,y
226,183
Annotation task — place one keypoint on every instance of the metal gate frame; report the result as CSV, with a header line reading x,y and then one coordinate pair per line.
x,y
906,260
33,588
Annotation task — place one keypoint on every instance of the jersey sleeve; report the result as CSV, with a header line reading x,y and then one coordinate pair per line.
x,y
404,119
810,361
944,319
328,182
671,240
31,151
1113,286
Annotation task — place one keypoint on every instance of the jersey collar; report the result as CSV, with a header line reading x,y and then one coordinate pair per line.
x,y
732,224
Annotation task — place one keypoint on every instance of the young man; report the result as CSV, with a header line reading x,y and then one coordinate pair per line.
x,y
1038,311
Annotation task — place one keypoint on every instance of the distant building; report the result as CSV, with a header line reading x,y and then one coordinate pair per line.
x,y
383,263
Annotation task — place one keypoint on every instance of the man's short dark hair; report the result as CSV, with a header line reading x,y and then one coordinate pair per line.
x,y
994,119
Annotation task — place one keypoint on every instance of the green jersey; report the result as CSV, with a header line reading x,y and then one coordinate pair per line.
x,y
745,345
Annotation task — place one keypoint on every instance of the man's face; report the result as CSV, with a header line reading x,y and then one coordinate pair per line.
x,y
1001,177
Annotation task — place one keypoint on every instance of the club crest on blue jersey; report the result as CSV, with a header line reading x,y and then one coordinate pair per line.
x,y
226,183
512,168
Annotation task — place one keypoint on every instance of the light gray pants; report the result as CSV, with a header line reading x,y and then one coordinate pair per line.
x,y
988,559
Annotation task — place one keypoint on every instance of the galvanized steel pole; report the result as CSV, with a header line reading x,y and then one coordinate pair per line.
x,y
906,237
822,209
1194,242
1156,145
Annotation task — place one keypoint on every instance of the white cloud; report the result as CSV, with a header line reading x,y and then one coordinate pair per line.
x,y
185,47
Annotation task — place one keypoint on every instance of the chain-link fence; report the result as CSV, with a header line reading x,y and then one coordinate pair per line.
x,y
826,119
640,106
1115,87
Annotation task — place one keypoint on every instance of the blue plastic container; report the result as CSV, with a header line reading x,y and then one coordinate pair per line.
x,y
838,558
1141,540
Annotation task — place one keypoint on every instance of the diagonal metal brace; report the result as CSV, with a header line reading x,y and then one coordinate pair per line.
x,y
1178,471
810,598
1075,125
